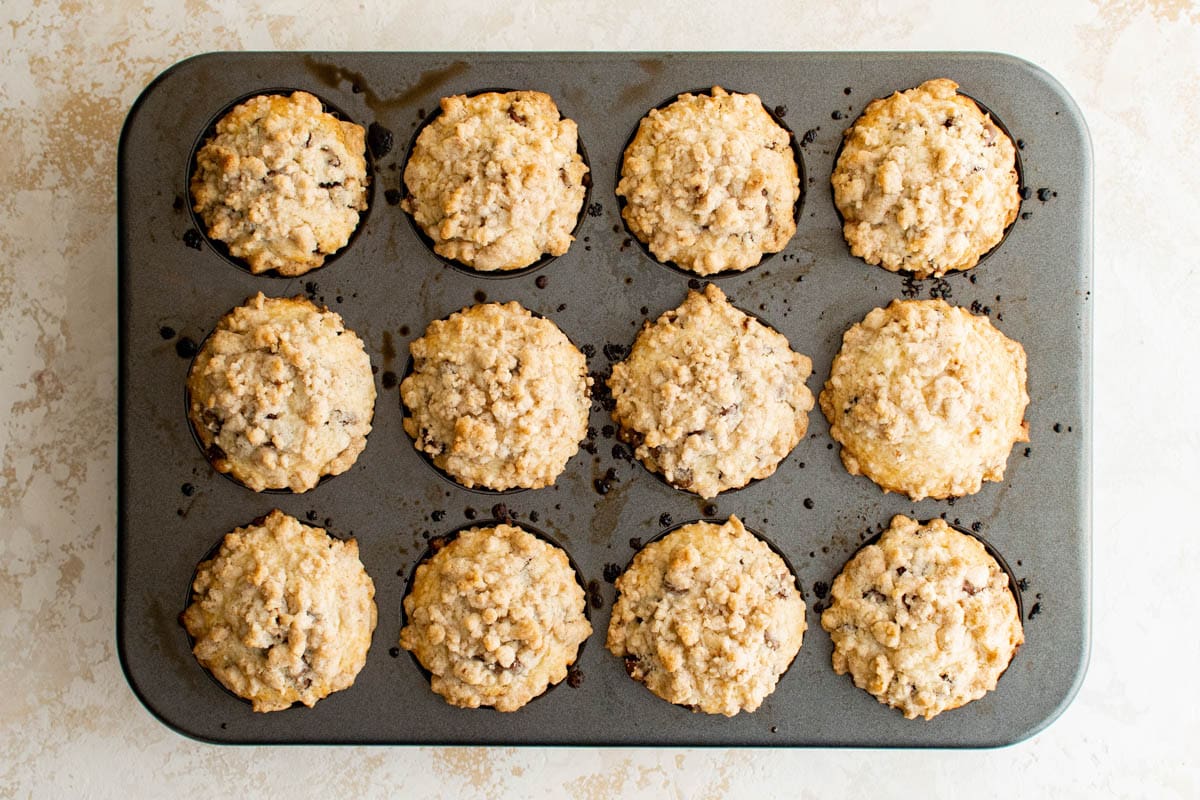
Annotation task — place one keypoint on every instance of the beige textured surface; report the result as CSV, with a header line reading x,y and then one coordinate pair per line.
x,y
926,182
927,399
924,619
496,616
710,182
283,613
710,397
497,397
281,182
281,394
68,725
497,180
708,617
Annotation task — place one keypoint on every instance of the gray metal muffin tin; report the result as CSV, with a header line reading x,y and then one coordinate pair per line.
x,y
173,508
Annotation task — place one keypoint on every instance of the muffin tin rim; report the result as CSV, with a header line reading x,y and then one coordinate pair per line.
x,y
1056,91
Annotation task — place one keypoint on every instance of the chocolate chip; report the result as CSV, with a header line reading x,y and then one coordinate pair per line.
x,y
193,239
393,197
593,593
603,485
166,332
185,347
615,352
379,139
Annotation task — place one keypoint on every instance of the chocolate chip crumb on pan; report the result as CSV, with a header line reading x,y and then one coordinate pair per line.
x,y
496,180
708,617
927,399
710,182
282,614
497,397
710,397
281,183
496,616
924,620
281,394
926,181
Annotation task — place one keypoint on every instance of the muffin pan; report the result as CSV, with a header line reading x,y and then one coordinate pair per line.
x,y
388,285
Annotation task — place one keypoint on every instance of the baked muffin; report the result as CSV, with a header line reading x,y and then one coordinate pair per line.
x,y
496,616
709,397
497,397
710,183
281,394
926,399
924,620
708,617
926,181
496,180
281,183
283,614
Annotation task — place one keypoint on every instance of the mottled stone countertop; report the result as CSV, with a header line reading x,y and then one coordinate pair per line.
x,y
70,727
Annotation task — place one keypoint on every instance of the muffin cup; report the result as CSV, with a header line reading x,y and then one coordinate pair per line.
x,y
495,274
219,247
1021,190
797,208
436,543
209,555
